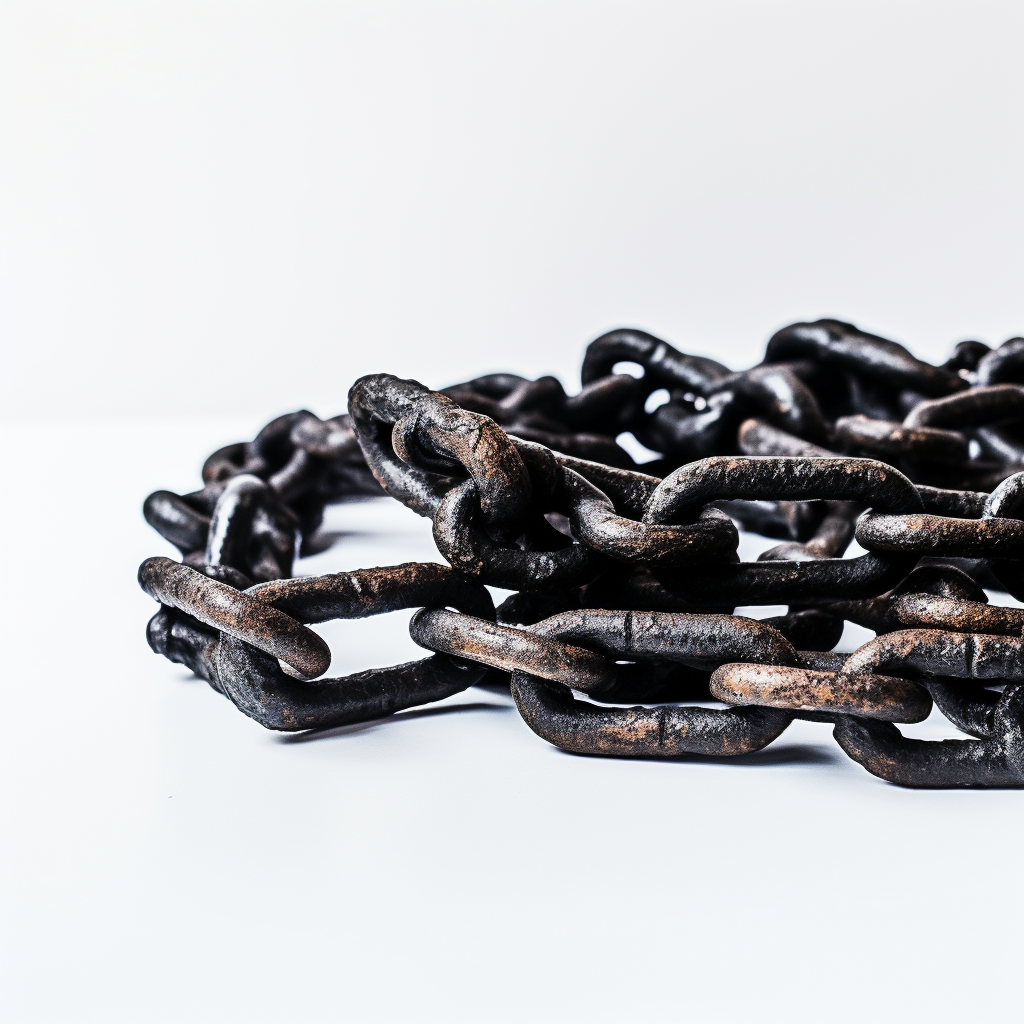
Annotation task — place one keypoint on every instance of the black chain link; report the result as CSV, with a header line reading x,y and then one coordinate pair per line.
x,y
625,580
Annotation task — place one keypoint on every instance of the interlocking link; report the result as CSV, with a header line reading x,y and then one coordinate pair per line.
x,y
620,628
510,649
235,613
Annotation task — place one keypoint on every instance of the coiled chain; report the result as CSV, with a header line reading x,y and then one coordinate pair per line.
x,y
621,627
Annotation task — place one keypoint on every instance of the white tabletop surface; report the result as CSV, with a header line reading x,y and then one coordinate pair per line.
x,y
167,859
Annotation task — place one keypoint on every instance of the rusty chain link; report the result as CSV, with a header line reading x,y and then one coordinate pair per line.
x,y
625,579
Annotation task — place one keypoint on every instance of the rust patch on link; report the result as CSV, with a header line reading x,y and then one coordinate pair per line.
x,y
885,698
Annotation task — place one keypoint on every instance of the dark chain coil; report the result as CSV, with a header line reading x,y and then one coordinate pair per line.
x,y
621,627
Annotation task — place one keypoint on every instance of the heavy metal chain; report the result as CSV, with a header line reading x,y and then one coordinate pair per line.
x,y
621,629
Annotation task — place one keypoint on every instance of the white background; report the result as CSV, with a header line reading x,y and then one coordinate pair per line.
x,y
211,213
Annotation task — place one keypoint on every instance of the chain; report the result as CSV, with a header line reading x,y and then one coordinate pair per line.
x,y
620,627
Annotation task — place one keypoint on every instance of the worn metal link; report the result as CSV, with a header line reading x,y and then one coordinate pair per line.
x,y
620,628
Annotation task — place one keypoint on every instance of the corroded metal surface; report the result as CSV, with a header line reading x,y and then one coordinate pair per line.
x,y
806,689
624,578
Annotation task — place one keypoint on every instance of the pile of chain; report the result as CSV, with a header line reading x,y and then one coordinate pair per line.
x,y
621,629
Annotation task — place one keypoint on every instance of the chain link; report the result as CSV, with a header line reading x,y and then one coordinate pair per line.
x,y
625,579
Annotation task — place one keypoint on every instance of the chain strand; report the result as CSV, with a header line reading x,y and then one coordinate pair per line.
x,y
626,578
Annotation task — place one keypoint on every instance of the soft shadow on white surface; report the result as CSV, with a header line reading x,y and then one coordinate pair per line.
x,y
465,704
